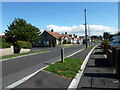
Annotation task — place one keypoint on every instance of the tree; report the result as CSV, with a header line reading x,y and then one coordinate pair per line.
x,y
19,29
106,36
118,33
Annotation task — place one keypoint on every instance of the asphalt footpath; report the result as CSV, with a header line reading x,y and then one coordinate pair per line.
x,y
46,80
98,73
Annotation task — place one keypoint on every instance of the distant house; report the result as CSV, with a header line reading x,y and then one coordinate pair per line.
x,y
74,39
67,38
80,40
49,38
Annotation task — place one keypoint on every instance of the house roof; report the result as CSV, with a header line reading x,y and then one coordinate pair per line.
x,y
68,36
55,35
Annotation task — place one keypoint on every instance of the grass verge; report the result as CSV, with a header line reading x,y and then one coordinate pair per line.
x,y
5,57
90,47
69,68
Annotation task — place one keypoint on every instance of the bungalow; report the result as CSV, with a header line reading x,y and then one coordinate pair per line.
x,y
67,38
80,40
50,39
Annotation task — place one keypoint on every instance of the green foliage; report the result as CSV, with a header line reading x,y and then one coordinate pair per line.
x,y
106,36
23,44
5,44
90,47
65,42
69,68
106,42
21,30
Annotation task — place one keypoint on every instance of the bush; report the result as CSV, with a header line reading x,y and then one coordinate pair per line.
x,y
5,45
24,44
65,42
105,43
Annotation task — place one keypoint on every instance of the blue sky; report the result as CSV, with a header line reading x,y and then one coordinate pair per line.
x,y
63,16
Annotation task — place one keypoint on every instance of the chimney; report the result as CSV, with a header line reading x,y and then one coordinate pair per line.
x,y
65,32
70,35
74,35
52,30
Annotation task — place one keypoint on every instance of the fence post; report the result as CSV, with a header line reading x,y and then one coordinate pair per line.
x,y
104,48
118,61
62,54
114,56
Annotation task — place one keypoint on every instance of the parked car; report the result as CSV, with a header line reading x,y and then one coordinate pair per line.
x,y
115,41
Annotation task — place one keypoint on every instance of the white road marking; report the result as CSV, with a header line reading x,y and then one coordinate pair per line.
x,y
75,53
23,79
75,81
31,75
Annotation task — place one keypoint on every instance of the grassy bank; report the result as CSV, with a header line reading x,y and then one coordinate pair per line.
x,y
69,68
5,57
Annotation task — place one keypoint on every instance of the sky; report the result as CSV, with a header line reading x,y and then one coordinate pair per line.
x,y
64,16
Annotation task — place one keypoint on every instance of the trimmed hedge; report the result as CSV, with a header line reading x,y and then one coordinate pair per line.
x,y
4,44
24,44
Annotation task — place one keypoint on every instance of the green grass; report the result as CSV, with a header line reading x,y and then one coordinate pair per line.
x,y
23,54
90,47
69,68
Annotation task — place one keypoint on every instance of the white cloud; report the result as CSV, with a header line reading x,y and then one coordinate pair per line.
x,y
94,29
2,34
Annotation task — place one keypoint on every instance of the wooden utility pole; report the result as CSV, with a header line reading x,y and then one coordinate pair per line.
x,y
85,28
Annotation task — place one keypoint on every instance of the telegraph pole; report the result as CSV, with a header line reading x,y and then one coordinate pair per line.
x,y
89,34
85,28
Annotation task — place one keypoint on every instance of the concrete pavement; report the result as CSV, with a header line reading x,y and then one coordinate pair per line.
x,y
98,73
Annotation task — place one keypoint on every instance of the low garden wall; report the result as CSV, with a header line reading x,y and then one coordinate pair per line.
x,y
6,51
24,50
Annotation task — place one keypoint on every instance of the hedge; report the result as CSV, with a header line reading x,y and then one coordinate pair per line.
x,y
24,44
5,45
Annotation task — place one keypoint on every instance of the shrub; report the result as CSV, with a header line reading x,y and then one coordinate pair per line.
x,y
23,44
4,44
65,42
105,43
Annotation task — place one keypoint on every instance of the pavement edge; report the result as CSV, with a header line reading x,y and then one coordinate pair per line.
x,y
75,81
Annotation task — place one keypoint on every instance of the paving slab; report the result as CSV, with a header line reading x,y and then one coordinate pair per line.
x,y
98,73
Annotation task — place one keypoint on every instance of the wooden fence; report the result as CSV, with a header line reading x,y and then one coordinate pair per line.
x,y
113,55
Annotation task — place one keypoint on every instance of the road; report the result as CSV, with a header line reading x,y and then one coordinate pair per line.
x,y
16,69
